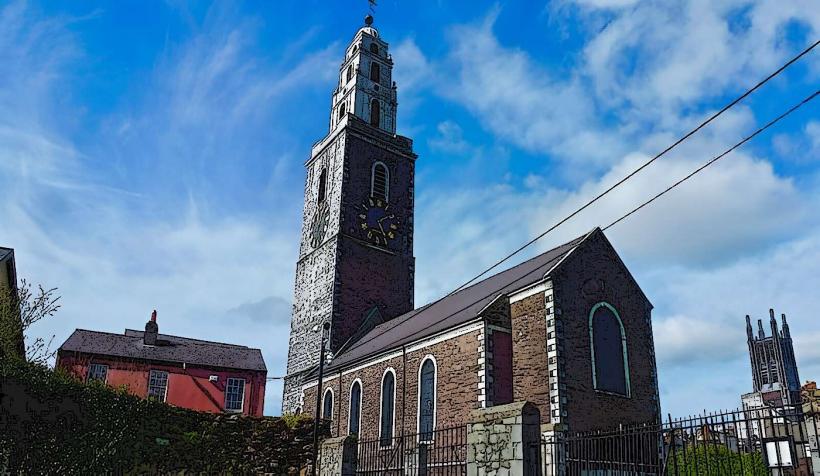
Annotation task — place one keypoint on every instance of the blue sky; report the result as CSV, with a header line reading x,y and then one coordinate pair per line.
x,y
151,156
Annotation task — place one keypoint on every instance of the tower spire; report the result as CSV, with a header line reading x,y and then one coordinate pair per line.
x,y
760,332
365,89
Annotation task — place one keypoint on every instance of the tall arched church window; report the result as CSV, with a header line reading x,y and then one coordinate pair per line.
x,y
322,186
327,405
427,399
388,399
349,73
355,408
379,181
375,72
374,48
375,113
610,365
342,111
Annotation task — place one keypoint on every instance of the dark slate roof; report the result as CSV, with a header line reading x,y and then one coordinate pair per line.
x,y
172,349
453,310
5,252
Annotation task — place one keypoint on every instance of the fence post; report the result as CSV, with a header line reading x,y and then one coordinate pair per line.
x,y
811,412
504,441
338,456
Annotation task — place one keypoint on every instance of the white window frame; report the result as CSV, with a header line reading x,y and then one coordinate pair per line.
x,y
381,405
332,402
386,179
624,351
167,377
242,398
350,406
431,358
88,377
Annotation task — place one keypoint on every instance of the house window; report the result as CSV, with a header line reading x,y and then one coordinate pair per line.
x,y
379,181
234,394
327,405
97,372
374,48
387,408
157,385
375,72
374,113
610,366
322,185
355,408
427,399
349,72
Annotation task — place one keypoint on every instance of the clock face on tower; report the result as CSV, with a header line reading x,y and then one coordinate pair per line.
x,y
319,226
377,223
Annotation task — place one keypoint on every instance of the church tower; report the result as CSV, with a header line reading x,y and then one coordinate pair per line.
x,y
356,264
774,368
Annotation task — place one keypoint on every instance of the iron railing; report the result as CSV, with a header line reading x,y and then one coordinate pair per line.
x,y
442,452
748,441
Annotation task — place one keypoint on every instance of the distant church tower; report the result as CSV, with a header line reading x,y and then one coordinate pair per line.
x,y
356,264
774,369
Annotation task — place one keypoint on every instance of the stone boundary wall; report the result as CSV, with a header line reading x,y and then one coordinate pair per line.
x,y
504,441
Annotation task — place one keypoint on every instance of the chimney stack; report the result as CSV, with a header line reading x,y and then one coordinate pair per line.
x,y
151,330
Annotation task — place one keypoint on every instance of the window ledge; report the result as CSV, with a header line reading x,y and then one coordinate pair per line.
x,y
613,394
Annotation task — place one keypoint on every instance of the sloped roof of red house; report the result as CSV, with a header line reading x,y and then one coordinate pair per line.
x,y
193,352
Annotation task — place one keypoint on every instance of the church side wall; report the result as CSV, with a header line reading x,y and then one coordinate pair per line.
x,y
529,350
457,380
594,274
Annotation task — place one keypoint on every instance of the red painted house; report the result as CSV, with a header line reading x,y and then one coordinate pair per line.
x,y
190,373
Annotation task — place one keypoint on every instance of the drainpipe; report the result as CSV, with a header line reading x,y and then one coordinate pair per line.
x,y
403,386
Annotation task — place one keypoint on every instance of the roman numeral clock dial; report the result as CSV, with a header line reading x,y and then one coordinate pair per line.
x,y
377,223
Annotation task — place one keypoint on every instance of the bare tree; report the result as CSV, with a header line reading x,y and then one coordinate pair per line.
x,y
20,309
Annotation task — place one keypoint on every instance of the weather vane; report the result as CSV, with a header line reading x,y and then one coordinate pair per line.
x,y
372,4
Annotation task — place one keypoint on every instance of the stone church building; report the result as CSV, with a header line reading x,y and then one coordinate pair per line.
x,y
569,330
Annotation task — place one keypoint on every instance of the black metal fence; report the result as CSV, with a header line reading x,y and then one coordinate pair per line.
x,y
749,441
438,453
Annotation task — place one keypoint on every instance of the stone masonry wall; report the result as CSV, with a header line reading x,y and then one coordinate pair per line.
x,y
457,384
531,380
594,274
343,278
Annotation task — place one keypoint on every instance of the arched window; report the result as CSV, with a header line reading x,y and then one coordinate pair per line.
x,y
342,111
327,405
610,365
427,399
374,48
379,181
374,113
355,408
322,185
388,406
375,72
349,72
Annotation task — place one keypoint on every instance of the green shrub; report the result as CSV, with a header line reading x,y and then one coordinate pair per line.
x,y
54,424
715,459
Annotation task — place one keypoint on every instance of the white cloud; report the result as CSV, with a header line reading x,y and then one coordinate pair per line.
x,y
519,100
658,57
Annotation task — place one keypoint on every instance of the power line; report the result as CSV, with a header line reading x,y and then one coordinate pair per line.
x,y
699,169
715,159
636,171
617,184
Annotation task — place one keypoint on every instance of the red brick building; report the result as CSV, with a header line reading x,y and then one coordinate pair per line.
x,y
569,330
190,373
